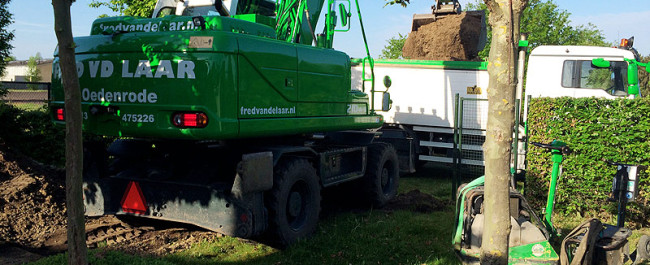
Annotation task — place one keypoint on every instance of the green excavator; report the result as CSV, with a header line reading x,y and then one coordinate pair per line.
x,y
229,115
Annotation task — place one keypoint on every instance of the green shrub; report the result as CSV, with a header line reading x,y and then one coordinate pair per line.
x,y
597,130
33,133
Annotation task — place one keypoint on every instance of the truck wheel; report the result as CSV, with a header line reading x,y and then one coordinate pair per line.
x,y
643,248
382,174
294,201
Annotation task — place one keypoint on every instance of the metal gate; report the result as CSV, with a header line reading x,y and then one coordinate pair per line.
x,y
469,136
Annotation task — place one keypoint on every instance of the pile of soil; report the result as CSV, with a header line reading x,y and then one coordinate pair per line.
x,y
450,38
32,200
33,218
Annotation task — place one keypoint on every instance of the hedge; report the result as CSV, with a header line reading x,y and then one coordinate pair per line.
x,y
597,130
32,133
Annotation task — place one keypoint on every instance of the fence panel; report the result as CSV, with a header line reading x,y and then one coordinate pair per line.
x,y
26,95
469,136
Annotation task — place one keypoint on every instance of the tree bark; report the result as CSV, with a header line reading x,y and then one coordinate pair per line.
x,y
504,20
77,253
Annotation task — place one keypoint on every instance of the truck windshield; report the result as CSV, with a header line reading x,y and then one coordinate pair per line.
x,y
582,74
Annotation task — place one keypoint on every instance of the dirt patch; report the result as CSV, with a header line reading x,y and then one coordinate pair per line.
x,y
415,201
164,241
451,38
33,218
32,200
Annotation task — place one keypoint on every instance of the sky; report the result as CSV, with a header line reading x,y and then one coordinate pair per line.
x,y
34,23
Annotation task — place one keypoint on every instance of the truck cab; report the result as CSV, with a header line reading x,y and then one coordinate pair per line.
x,y
568,71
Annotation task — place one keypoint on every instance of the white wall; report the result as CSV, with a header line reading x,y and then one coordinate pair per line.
x,y
17,71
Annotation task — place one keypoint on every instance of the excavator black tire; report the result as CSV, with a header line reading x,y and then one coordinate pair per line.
x,y
382,174
293,202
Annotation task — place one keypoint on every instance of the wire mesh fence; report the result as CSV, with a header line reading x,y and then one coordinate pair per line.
x,y
471,130
470,136
26,95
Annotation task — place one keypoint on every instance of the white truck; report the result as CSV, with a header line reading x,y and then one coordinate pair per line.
x,y
422,119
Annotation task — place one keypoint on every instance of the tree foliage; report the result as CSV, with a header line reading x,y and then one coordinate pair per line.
x,y
137,8
403,3
33,73
393,50
6,36
547,24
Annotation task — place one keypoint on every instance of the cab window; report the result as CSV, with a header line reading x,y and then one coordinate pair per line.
x,y
582,74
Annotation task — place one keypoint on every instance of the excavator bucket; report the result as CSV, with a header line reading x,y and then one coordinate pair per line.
x,y
443,8
439,9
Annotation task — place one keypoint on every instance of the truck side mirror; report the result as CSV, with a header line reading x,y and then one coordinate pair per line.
x,y
344,15
387,81
386,103
600,63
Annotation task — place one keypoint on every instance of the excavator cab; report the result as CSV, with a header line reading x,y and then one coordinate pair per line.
x,y
443,7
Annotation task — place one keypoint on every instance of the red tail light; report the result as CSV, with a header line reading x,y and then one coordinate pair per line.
x,y
190,119
58,114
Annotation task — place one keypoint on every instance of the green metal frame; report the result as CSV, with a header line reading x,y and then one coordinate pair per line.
x,y
556,157
452,65
633,76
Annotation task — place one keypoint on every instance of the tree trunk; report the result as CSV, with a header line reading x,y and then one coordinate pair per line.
x,y
73,144
504,20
